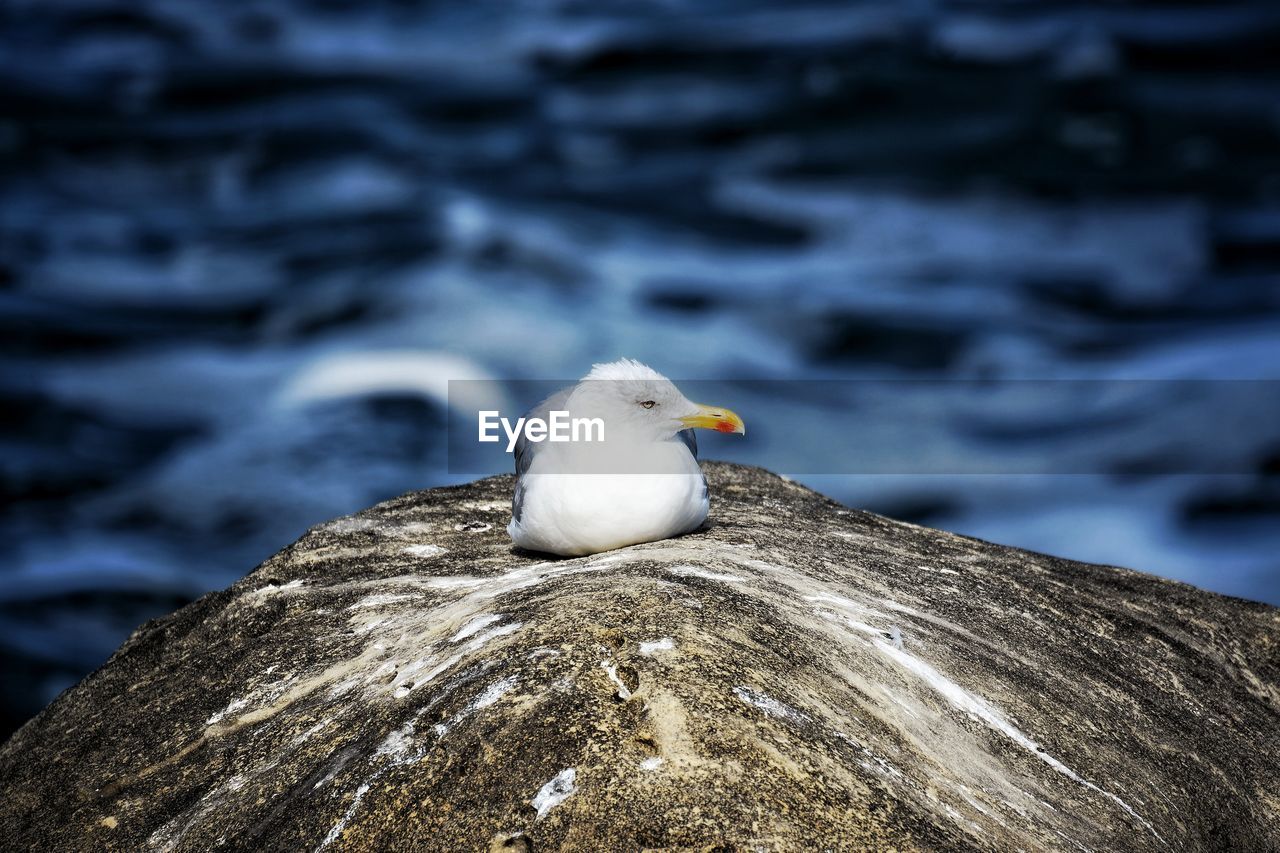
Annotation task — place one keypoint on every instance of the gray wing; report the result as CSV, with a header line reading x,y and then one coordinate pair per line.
x,y
526,450
690,440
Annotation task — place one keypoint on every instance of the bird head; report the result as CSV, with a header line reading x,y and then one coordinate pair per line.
x,y
638,400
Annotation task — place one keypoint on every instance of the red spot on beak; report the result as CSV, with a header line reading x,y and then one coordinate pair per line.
x,y
725,426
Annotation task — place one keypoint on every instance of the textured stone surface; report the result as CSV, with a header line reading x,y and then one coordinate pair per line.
x,y
797,676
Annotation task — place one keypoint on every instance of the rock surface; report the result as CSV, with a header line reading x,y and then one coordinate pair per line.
x,y
796,676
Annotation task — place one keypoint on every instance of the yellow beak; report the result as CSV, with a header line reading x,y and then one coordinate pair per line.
x,y
717,418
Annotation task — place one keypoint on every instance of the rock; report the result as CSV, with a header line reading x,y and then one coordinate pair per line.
x,y
797,676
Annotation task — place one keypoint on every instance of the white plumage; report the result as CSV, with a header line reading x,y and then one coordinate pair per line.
x,y
640,484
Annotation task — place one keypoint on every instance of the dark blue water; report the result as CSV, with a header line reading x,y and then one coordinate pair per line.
x,y
244,246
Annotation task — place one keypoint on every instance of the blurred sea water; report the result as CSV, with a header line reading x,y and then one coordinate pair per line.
x,y
244,247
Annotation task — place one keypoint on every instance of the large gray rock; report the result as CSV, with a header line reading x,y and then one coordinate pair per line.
x,y
798,676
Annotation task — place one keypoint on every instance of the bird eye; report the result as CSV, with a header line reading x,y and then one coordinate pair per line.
x,y
649,404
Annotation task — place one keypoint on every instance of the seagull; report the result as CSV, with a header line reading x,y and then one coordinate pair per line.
x,y
641,483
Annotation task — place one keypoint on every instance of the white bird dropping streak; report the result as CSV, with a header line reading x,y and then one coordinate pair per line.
x,y
641,485
555,792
